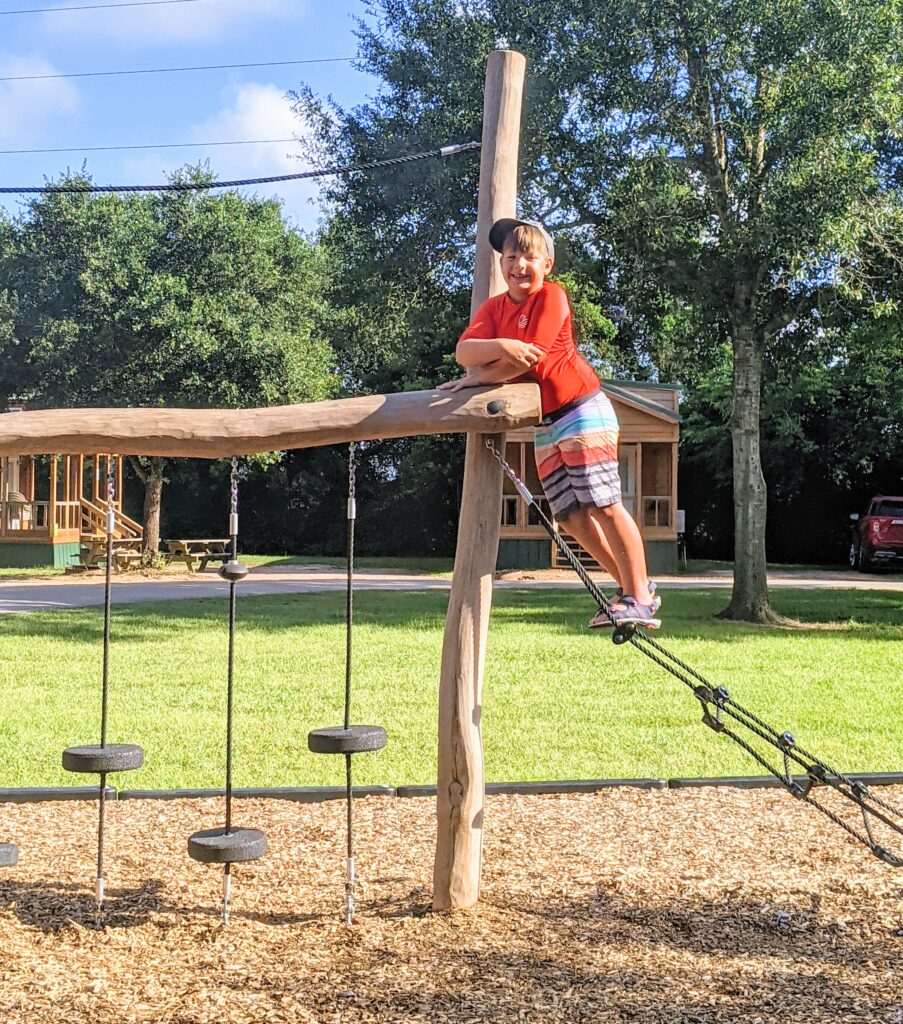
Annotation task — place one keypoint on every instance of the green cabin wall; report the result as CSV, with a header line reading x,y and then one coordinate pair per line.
x,y
27,556
661,555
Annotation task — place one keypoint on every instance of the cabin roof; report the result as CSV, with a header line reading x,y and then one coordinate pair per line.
x,y
621,393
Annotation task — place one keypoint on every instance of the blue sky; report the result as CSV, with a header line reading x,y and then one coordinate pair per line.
x,y
199,106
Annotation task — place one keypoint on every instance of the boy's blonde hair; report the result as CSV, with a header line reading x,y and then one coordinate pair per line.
x,y
526,238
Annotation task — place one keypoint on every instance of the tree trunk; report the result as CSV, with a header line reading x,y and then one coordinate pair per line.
x,y
749,601
153,498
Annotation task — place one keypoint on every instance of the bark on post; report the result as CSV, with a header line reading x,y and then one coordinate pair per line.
x,y
460,788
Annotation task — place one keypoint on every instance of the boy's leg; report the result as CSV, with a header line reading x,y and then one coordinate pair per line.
x,y
626,545
588,533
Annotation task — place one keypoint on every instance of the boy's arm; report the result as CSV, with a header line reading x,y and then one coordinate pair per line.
x,y
472,352
496,372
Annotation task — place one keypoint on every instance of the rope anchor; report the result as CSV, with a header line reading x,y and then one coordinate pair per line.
x,y
719,708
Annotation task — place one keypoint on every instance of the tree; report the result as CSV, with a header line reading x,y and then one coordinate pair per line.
x,y
734,162
179,298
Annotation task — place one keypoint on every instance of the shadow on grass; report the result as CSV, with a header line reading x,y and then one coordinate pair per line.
x,y
685,614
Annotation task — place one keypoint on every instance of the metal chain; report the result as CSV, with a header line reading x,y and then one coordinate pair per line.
x,y
349,632
108,595
716,702
349,589
230,666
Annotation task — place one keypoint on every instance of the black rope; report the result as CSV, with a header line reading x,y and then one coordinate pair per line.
x,y
717,703
201,186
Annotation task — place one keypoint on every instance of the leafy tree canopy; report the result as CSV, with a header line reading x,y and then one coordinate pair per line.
x,y
184,298
726,172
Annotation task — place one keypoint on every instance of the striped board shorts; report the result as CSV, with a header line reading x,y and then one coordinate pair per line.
x,y
577,457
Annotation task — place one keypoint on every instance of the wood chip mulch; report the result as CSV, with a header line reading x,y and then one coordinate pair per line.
x,y
690,906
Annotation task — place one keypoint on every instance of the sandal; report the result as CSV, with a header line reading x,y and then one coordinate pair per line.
x,y
601,619
630,612
653,586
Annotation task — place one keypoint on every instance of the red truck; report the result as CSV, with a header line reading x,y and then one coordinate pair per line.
x,y
878,535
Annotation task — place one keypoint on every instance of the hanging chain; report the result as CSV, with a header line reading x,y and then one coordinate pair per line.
x,y
717,703
108,595
349,630
233,507
349,590
230,667
233,480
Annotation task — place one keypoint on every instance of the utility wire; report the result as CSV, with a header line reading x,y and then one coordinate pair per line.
x,y
201,186
163,145
161,71
100,7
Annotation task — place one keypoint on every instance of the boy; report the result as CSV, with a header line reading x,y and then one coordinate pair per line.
x,y
525,334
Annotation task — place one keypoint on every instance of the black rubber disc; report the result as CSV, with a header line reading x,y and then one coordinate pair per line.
x,y
114,757
9,855
233,571
623,633
356,739
217,846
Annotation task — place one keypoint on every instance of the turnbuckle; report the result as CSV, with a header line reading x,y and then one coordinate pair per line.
x,y
706,696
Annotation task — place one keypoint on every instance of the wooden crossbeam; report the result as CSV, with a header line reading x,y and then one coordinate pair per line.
x,y
220,433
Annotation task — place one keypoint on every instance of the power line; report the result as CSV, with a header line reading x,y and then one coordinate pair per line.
x,y
99,7
201,186
162,145
160,71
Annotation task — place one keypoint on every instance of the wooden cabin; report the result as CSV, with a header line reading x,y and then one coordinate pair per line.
x,y
647,457
50,505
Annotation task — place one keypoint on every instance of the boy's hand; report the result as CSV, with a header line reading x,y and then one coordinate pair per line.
x,y
470,380
520,353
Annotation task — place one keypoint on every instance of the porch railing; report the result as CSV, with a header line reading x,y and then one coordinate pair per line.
x,y
67,515
18,517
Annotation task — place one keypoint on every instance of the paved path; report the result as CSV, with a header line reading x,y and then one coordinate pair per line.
x,y
77,592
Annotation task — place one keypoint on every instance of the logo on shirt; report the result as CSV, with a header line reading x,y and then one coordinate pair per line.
x,y
523,321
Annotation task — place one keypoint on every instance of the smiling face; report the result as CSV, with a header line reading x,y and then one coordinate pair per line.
x,y
524,269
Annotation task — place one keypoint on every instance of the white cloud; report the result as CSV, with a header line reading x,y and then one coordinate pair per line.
x,y
27,107
169,23
252,111
255,111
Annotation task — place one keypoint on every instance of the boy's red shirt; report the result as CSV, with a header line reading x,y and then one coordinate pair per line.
x,y
544,319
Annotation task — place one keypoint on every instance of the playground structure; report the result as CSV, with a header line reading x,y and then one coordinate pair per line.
x,y
485,415
52,504
225,434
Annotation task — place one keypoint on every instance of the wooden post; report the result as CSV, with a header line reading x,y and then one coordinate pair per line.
x,y
460,787
54,463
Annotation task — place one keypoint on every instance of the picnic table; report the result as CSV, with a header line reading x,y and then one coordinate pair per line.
x,y
200,551
93,552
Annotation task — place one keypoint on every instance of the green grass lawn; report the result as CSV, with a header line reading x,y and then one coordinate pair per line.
x,y
425,566
560,702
